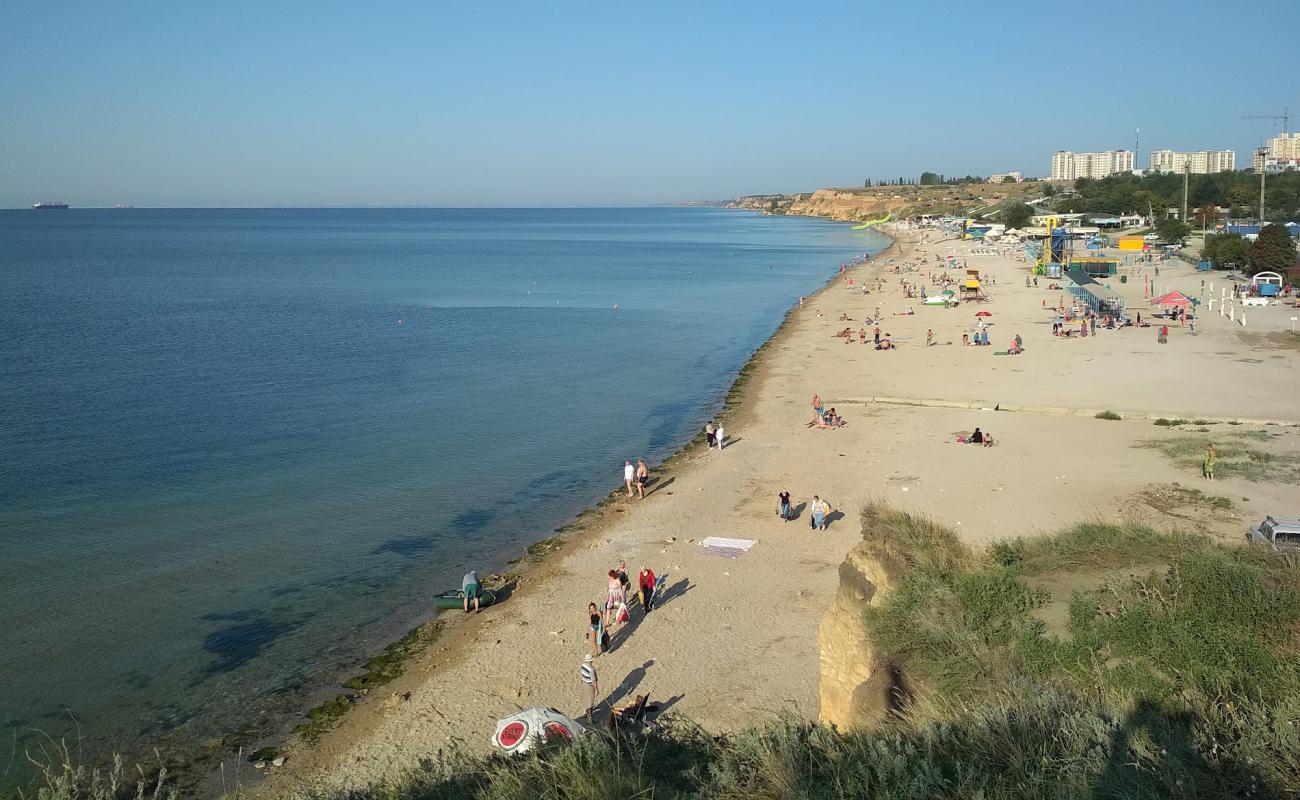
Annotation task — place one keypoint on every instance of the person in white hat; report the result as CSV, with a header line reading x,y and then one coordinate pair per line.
x,y
592,680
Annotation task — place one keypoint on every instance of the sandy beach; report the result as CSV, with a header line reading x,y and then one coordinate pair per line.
x,y
735,642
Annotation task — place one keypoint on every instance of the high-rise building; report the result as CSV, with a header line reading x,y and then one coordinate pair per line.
x,y
1067,166
1199,162
1280,148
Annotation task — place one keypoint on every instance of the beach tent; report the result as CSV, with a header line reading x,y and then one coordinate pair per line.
x,y
1172,299
527,729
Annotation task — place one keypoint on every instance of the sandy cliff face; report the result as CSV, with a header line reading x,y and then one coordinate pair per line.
x,y
873,202
843,204
858,685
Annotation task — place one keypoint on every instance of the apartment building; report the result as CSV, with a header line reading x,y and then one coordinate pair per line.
x,y
1067,165
1199,162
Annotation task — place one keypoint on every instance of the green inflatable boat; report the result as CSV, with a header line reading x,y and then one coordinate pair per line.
x,y
456,599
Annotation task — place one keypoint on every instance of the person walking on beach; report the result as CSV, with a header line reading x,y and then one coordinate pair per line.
x,y
929,336
783,506
819,508
469,588
615,598
645,584
642,476
819,410
710,434
1207,466
629,472
595,629
1163,336
623,580
720,436
592,681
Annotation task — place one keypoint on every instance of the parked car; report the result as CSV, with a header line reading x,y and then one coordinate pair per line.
x,y
1280,534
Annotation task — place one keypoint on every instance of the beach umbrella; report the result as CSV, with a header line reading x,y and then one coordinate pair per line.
x,y
1171,299
527,729
949,292
983,314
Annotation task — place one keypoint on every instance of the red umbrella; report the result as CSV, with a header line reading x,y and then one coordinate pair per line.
x,y
983,314
1172,299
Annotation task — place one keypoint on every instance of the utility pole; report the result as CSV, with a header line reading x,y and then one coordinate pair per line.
x,y
1263,170
1187,170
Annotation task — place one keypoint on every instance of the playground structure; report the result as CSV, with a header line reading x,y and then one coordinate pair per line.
x,y
1057,255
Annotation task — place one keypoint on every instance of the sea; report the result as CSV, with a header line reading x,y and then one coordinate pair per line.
x,y
243,448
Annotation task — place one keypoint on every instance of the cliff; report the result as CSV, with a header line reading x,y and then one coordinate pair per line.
x,y
856,205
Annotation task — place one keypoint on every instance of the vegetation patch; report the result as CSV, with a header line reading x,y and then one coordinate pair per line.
x,y
392,661
1170,423
1107,415
1235,458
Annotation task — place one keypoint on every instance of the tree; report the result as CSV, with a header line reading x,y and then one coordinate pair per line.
x,y
1172,230
1207,215
1242,196
1225,250
1008,179
1016,215
1273,249
1049,190
866,184
931,179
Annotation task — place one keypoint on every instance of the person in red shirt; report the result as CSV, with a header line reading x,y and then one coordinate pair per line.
x,y
646,588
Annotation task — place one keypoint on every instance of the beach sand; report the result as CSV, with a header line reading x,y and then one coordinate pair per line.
x,y
735,642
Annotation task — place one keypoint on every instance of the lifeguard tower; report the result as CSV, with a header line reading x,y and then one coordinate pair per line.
x,y
971,288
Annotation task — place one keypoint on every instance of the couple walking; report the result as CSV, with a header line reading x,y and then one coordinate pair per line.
x,y
817,510
639,475
714,434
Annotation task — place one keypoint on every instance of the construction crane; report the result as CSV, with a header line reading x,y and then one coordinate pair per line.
x,y
1285,116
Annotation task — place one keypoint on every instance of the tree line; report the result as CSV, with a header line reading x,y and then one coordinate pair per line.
x,y
1152,194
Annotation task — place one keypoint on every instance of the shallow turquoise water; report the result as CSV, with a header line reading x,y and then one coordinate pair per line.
x,y
242,448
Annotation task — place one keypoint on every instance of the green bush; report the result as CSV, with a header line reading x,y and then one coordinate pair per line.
x,y
1107,415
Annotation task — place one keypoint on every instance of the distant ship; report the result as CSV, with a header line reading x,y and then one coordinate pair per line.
x,y
49,205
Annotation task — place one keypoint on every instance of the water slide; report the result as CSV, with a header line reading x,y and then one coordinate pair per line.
x,y
870,223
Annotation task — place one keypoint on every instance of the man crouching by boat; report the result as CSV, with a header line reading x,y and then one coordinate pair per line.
x,y
469,587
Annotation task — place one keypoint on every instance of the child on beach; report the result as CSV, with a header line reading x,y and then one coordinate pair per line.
x,y
720,436
783,506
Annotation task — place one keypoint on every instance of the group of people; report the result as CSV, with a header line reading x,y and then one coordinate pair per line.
x,y
614,610
978,437
824,418
818,510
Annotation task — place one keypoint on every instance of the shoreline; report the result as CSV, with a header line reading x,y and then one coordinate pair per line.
x,y
446,644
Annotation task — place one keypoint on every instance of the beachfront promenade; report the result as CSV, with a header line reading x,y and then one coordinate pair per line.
x,y
735,640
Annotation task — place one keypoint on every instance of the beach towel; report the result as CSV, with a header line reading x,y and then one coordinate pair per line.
x,y
727,548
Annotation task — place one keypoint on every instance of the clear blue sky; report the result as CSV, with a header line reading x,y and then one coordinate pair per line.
x,y
541,103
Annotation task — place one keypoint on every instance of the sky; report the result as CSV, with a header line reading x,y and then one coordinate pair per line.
x,y
554,104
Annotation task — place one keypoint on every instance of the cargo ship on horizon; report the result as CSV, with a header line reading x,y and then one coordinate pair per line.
x,y
49,205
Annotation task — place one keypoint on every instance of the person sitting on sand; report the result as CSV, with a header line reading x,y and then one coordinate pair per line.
x,y
988,439
844,317
885,343
834,420
965,339
977,437
633,712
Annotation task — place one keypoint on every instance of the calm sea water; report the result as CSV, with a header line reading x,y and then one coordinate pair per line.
x,y
241,449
